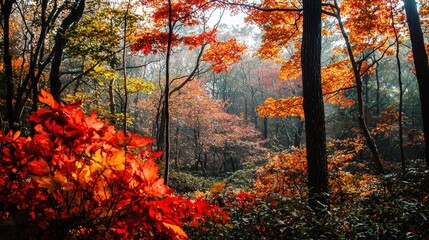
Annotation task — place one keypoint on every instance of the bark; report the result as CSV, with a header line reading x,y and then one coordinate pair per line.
x,y
60,42
377,78
298,134
401,93
124,66
421,66
313,105
265,127
167,94
6,9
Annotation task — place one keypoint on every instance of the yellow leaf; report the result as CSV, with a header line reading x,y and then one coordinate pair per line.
x,y
174,231
99,162
117,162
85,174
46,182
61,181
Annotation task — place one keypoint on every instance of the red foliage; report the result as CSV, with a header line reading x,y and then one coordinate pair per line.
x,y
78,177
186,15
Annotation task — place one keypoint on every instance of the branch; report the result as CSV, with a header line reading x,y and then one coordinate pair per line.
x,y
139,66
375,61
276,9
78,76
193,73
339,90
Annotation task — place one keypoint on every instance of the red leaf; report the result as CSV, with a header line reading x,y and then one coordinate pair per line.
x,y
38,167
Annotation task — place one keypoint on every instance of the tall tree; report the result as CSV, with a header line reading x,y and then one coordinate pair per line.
x,y
6,9
313,103
421,65
187,27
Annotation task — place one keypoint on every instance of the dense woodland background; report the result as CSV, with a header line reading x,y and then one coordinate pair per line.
x,y
307,120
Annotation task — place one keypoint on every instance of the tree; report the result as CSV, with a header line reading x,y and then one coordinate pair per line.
x,y
7,77
182,17
73,17
421,66
313,104
33,38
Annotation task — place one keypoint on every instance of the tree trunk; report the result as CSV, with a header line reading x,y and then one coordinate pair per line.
x,y
6,9
421,65
124,66
167,93
377,78
60,41
298,134
401,93
313,105
361,112
265,127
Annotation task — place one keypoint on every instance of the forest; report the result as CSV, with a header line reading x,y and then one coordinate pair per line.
x,y
214,119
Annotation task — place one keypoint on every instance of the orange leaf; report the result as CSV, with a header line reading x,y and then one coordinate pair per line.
x,y
117,162
150,171
174,231
47,98
46,182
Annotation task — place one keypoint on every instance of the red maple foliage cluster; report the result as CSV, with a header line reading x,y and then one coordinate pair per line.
x,y
77,177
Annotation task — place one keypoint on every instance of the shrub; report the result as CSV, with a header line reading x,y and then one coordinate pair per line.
x,y
79,178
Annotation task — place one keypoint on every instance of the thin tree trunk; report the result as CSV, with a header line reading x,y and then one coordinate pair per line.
x,y
421,65
361,113
313,105
60,41
298,134
6,10
167,93
265,127
124,66
378,90
401,93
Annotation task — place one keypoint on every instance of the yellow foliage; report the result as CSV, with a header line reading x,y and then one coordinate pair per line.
x,y
217,187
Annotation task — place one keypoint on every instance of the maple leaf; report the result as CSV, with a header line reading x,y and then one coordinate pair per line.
x,y
117,161
46,182
150,171
38,167
47,98
174,231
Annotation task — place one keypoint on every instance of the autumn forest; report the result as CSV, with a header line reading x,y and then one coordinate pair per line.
x,y
214,119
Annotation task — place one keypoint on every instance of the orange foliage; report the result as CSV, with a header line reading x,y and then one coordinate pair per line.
x,y
285,173
223,54
282,107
